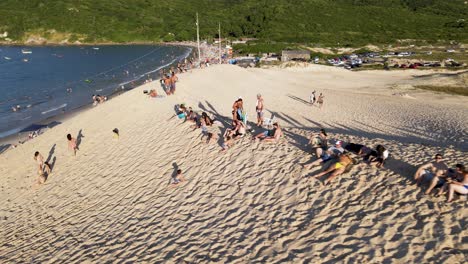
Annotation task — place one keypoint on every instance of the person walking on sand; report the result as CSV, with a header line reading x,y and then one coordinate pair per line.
x,y
72,144
42,166
320,100
312,98
259,109
173,81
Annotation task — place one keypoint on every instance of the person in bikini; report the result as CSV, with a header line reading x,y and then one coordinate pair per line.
x,y
458,187
338,168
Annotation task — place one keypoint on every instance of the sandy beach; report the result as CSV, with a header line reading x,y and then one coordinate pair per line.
x,y
113,202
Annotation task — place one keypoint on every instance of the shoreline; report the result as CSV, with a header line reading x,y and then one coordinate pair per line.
x,y
16,138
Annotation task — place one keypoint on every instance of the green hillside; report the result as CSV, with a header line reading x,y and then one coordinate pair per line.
x,y
329,22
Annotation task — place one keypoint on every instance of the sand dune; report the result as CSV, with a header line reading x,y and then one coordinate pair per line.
x,y
112,202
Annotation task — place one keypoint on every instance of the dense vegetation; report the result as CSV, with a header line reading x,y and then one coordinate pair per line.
x,y
327,22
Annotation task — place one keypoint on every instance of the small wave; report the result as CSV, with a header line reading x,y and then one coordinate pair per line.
x,y
26,118
54,109
99,90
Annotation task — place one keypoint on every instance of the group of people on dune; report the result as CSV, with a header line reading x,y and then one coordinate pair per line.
x,y
341,156
238,125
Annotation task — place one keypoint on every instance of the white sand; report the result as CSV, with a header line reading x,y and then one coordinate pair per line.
x,y
112,201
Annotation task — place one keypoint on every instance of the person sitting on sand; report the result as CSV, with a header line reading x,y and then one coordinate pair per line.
x,y
153,93
319,142
270,135
178,178
72,144
453,174
207,119
191,116
228,142
338,168
458,187
42,166
432,169
237,130
330,153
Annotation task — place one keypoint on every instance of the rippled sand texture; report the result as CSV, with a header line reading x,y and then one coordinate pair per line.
x,y
113,202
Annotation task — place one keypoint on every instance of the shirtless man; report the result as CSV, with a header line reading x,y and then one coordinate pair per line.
x,y
178,178
269,136
434,169
259,108
41,167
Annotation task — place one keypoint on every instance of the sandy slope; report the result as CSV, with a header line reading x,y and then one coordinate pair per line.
x,y
112,202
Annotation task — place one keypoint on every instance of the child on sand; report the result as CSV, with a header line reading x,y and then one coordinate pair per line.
x,y
72,144
178,178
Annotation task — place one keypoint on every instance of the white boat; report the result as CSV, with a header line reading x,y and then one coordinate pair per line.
x,y
7,58
95,48
26,51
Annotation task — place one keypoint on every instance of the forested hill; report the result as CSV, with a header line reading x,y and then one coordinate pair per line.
x,y
347,22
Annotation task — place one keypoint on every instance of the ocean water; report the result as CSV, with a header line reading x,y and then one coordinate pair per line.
x,y
39,82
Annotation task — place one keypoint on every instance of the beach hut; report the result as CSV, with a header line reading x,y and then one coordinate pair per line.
x,y
301,55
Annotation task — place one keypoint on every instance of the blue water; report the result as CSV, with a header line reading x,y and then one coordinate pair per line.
x,y
38,82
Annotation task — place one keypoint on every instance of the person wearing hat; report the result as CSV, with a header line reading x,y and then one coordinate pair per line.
x,y
332,152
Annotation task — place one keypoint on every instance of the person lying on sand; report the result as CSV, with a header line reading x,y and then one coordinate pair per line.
x,y
319,142
338,168
458,187
228,142
211,137
178,178
432,169
377,157
270,135
72,144
42,166
330,153
237,130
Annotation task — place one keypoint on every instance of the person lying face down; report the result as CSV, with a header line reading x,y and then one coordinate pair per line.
x,y
337,168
